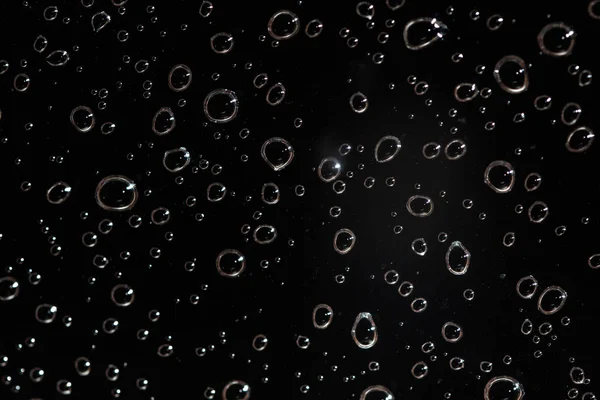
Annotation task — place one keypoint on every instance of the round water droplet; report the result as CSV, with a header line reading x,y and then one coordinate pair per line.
x,y
270,193
594,261
322,316
499,176
580,140
431,150
175,160
538,212
221,106
577,375
230,263
364,331
221,43
277,152
533,181
216,191
283,25
9,288
236,390
329,169
46,313
419,370
494,22
260,80
180,78
264,234
160,216
419,246
116,193
122,295
422,32
163,121
359,103
458,258
503,387
452,332
419,206
527,286
40,43
456,363
511,74
405,289
82,118
552,299
387,148
556,39
542,102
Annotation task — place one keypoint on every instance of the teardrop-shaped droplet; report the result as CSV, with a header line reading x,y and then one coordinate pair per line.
x,y
100,20
376,392
175,160
163,121
364,331
277,152
556,39
499,176
458,258
422,32
58,58
322,316
40,43
387,148
365,9
511,74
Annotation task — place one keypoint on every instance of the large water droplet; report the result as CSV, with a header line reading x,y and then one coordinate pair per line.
x,y
387,148
277,152
322,316
580,140
527,286
283,25
556,39
175,160
422,32
420,206
221,106
230,263
163,121
376,392
364,331
100,20
458,258
180,78
343,241
552,299
82,118
236,390
499,176
503,388
116,193
57,58
511,74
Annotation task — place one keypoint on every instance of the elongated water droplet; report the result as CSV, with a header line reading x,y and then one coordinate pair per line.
x,y
322,316
163,121
422,32
40,43
100,20
364,331
57,58
344,241
458,258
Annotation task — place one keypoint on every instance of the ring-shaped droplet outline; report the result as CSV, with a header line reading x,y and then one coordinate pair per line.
x,y
116,178
499,163
286,36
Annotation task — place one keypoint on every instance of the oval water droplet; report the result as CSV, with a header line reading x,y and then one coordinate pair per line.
x,y
116,193
122,295
364,331
322,316
236,390
538,212
359,103
419,246
455,150
452,332
58,193
419,370
57,58
215,192
533,181
464,92
264,234
175,160
552,299
270,193
511,74
180,78
82,118
9,288
570,113
405,289
277,152
580,140
499,176
314,28
275,94
222,43
329,169
206,8
376,392
387,148
419,206
163,121
40,43
458,258
422,32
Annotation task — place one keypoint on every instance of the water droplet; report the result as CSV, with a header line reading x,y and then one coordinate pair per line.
x,y
422,32
221,106
9,288
378,392
452,332
230,263
215,192
175,160
556,39
387,148
116,193
494,22
580,140
511,74
552,299
277,152
259,343
46,313
344,241
418,305
264,234
322,316
458,258
527,286
500,176
283,25
222,43
465,92
57,58
533,181
570,113
542,102
206,8
455,149
163,121
364,331
419,370
419,206
100,20
359,103
40,43
503,387
180,78
365,9
275,94
58,193
538,212
314,28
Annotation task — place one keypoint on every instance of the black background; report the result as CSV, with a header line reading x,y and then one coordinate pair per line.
x,y
320,75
